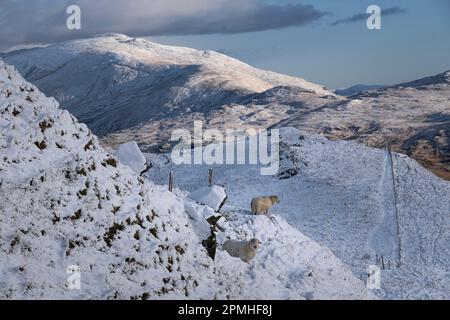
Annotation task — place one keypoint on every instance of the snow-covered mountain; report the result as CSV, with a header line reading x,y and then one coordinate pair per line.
x,y
413,117
131,89
441,80
65,203
370,207
357,88
126,87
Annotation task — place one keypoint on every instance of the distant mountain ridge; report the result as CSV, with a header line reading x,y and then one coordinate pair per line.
x,y
131,89
114,82
357,88
439,79
412,118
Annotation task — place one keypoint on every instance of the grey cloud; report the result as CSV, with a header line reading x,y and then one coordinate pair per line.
x,y
258,18
364,16
43,21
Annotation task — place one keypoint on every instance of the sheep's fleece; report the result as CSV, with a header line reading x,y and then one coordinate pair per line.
x,y
261,205
246,250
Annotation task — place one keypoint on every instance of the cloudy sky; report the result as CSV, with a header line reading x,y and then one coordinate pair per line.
x,y
325,41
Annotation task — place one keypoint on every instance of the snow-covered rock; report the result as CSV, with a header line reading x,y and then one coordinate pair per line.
x,y
66,204
64,201
213,197
129,154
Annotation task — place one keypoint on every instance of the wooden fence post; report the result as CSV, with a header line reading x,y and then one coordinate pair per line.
x,y
210,177
391,158
170,181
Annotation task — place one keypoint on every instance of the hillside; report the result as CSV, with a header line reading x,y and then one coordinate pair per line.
x,y
368,207
124,87
413,118
65,202
131,89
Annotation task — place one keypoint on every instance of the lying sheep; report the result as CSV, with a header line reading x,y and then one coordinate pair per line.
x,y
261,205
246,250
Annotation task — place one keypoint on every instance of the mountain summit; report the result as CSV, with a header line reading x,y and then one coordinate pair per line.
x,y
115,83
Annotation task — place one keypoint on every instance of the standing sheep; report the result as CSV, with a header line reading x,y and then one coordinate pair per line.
x,y
261,205
246,250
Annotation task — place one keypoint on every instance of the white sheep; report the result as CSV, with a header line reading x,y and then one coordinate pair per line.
x,y
246,250
261,205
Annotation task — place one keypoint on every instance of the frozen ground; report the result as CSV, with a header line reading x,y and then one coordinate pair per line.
x,y
367,206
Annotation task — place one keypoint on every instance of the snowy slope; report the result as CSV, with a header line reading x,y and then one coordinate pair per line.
x,y
357,201
65,201
413,117
139,89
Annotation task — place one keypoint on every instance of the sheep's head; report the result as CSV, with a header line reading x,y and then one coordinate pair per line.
x,y
254,244
274,199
